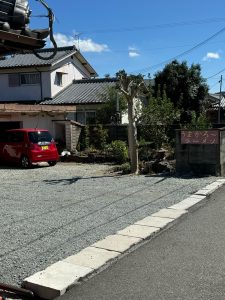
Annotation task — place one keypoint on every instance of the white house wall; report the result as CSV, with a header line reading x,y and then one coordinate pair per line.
x,y
42,121
22,92
71,70
46,85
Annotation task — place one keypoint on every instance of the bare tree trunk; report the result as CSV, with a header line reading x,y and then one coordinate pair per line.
x,y
132,138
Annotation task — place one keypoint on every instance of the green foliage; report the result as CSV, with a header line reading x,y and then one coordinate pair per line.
x,y
99,137
108,112
85,140
156,119
120,151
124,168
184,85
198,122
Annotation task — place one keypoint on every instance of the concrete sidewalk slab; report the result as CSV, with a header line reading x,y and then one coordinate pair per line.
x,y
155,222
117,243
189,203
92,257
170,213
55,280
139,231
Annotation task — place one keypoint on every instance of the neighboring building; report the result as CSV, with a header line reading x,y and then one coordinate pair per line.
x,y
214,102
87,95
26,81
26,78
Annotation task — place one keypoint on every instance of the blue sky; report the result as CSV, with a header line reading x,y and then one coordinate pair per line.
x,y
138,35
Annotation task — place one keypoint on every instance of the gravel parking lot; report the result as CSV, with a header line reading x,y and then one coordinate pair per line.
x,y
49,213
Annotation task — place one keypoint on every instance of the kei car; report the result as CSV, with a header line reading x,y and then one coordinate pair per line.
x,y
28,146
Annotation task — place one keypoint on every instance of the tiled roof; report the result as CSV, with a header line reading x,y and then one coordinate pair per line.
x,y
30,60
83,92
215,98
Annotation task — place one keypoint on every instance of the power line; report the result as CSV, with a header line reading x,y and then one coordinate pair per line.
x,y
216,74
212,86
159,26
181,54
161,48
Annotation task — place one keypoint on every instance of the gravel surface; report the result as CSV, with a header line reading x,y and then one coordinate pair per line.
x,y
49,213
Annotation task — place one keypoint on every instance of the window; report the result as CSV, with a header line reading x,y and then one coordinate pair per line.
x,y
85,117
80,117
15,137
29,78
90,117
13,80
59,78
37,137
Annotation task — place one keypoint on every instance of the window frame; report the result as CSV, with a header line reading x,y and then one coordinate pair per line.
x,y
59,78
37,82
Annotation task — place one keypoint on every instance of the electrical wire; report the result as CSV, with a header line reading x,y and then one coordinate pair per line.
x,y
212,86
183,53
159,26
216,74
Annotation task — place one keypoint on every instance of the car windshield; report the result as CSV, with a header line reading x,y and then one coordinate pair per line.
x,y
37,137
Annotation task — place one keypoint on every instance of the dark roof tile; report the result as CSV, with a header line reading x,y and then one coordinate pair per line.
x,y
83,92
30,60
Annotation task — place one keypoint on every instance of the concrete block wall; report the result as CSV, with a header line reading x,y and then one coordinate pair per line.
x,y
201,158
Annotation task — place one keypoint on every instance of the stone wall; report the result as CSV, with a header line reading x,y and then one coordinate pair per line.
x,y
201,159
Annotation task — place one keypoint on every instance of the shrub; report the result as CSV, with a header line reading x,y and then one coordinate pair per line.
x,y
124,168
85,140
99,137
120,151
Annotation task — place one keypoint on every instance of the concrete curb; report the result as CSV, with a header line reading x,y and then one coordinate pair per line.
x,y
55,280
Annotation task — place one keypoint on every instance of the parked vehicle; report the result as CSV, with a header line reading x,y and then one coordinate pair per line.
x,y
27,147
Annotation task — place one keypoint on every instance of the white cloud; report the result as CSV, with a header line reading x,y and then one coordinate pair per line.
x,y
211,55
85,45
133,52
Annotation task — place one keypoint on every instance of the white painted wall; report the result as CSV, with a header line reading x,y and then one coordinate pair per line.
x,y
23,92
42,121
71,69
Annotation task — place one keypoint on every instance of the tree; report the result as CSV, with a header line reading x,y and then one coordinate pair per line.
x,y
156,119
183,85
108,112
131,86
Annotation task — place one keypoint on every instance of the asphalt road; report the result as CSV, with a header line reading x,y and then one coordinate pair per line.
x,y
185,262
50,213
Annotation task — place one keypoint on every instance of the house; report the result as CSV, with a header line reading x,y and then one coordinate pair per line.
x,y
27,81
86,94
215,101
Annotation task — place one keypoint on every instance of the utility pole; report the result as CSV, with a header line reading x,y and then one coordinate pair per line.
x,y
221,81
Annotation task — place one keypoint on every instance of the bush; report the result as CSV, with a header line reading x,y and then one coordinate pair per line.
x,y
120,151
84,140
98,137
124,168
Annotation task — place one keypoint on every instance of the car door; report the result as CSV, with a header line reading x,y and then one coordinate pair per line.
x,y
14,146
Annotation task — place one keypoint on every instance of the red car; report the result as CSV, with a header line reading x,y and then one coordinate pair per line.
x,y
28,146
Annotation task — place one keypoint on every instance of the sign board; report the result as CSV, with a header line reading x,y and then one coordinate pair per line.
x,y
206,137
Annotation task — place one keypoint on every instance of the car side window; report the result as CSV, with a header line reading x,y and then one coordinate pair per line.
x,y
15,137
3,137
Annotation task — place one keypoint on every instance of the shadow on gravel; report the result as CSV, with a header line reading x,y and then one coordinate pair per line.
x,y
73,180
165,176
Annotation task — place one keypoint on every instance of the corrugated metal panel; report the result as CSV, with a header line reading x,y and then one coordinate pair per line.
x,y
83,92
